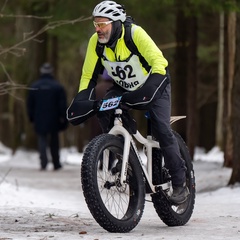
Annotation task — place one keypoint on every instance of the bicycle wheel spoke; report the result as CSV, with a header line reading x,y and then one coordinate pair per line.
x,y
116,207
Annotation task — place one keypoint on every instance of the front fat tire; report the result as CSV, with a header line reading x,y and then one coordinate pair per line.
x,y
179,215
133,192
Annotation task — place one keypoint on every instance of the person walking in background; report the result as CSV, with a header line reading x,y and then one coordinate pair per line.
x,y
46,108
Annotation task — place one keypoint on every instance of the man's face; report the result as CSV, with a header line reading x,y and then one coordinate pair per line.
x,y
103,27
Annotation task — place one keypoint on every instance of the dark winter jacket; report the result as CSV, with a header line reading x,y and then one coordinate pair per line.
x,y
47,104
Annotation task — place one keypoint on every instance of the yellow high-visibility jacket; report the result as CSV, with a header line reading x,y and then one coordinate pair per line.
x,y
145,45
140,84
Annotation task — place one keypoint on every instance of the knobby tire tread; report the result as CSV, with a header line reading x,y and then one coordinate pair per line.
x,y
161,203
90,188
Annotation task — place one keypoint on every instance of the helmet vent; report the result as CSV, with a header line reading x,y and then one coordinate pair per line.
x,y
111,10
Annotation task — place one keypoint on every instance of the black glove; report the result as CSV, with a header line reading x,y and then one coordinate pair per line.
x,y
81,108
97,104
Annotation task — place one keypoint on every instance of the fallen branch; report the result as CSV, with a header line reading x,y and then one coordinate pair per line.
x,y
49,26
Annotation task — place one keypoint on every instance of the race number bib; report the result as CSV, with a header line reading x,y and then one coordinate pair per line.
x,y
111,103
129,75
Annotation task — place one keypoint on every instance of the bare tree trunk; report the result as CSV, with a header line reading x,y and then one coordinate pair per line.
x,y
54,54
37,55
219,121
13,113
228,149
192,111
235,100
179,82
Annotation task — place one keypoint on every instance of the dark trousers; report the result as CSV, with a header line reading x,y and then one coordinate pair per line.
x,y
160,111
51,140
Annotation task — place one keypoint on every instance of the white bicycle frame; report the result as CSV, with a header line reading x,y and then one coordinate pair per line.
x,y
148,144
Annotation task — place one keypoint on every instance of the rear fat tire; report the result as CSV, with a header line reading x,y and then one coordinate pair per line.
x,y
179,215
93,191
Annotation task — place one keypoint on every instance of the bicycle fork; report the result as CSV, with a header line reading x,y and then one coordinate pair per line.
x,y
119,130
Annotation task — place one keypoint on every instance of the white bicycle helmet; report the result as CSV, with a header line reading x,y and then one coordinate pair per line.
x,y
111,10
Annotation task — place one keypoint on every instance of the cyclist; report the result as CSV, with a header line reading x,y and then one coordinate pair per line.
x,y
143,84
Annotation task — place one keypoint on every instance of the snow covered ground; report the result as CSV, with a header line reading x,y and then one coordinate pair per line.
x,y
43,205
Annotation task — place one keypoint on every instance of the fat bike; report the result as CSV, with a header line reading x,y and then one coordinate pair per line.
x,y
115,178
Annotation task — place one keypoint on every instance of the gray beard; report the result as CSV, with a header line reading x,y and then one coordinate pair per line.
x,y
103,41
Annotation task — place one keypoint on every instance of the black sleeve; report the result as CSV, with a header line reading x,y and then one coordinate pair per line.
x,y
151,90
82,107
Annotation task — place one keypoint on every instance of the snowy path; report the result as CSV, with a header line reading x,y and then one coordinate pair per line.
x,y
37,205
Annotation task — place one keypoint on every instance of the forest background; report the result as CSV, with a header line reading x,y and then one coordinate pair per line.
x,y
198,37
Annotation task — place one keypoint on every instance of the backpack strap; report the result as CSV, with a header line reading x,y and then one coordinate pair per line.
x,y
131,45
99,50
128,38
